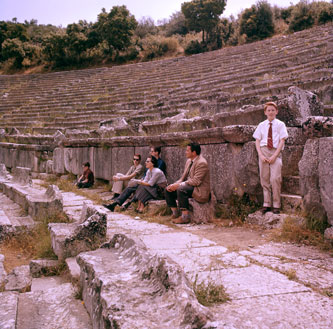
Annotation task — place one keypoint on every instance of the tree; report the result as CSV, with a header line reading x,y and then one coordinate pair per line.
x,y
116,28
301,17
176,25
257,22
203,15
13,48
145,26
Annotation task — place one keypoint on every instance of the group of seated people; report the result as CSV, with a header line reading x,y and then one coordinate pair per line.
x,y
139,185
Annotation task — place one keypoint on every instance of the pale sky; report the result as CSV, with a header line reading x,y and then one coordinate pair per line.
x,y
64,12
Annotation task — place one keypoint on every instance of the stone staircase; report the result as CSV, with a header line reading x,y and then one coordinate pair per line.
x,y
142,278
227,78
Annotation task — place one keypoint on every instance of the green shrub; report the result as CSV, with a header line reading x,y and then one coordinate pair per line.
x,y
301,17
195,47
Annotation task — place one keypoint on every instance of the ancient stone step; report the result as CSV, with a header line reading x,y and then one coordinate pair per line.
x,y
125,287
291,202
52,308
8,309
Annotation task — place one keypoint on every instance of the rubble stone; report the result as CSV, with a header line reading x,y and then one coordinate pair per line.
x,y
19,279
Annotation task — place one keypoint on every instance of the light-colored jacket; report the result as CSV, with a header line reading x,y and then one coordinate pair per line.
x,y
198,177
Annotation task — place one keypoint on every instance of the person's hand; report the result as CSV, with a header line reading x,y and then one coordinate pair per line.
x,y
272,159
172,187
263,158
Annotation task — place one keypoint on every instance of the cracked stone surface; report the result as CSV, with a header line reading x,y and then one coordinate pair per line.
x,y
272,285
8,309
54,308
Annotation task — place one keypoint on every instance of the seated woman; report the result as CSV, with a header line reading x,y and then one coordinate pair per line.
x,y
152,186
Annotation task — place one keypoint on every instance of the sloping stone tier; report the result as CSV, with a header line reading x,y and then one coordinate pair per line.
x,y
33,201
125,287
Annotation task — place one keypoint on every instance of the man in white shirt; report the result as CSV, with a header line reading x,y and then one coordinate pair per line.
x,y
270,137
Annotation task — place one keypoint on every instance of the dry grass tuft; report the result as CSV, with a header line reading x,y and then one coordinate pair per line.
x,y
210,293
36,242
292,231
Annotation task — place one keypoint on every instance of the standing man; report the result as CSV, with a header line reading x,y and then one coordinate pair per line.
x,y
195,182
270,136
120,181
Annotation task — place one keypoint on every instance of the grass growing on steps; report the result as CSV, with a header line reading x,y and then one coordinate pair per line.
x,y
293,231
34,243
210,293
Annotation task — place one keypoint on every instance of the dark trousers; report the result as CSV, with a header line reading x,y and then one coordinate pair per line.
x,y
84,185
182,194
125,194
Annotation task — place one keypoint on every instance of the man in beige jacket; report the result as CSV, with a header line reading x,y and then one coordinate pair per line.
x,y
195,182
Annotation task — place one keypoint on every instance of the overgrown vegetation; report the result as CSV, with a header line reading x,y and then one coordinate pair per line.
x,y
293,231
237,208
117,37
210,293
35,243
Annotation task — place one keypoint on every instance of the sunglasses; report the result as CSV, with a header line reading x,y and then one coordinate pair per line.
x,y
136,159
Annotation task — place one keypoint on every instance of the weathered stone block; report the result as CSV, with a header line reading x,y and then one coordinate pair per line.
x,y
299,105
122,159
22,176
202,212
103,162
246,171
291,155
318,127
19,279
40,205
309,178
58,161
75,157
175,159
68,240
119,288
238,134
325,171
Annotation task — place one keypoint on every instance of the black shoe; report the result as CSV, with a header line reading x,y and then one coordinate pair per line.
x,y
110,206
276,211
265,209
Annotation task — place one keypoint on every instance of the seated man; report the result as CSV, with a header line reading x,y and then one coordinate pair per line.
x,y
86,180
121,181
195,182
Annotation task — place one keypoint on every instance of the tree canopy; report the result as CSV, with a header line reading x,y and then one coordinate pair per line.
x,y
203,15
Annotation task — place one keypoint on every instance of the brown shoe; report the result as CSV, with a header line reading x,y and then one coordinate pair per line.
x,y
184,219
175,214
